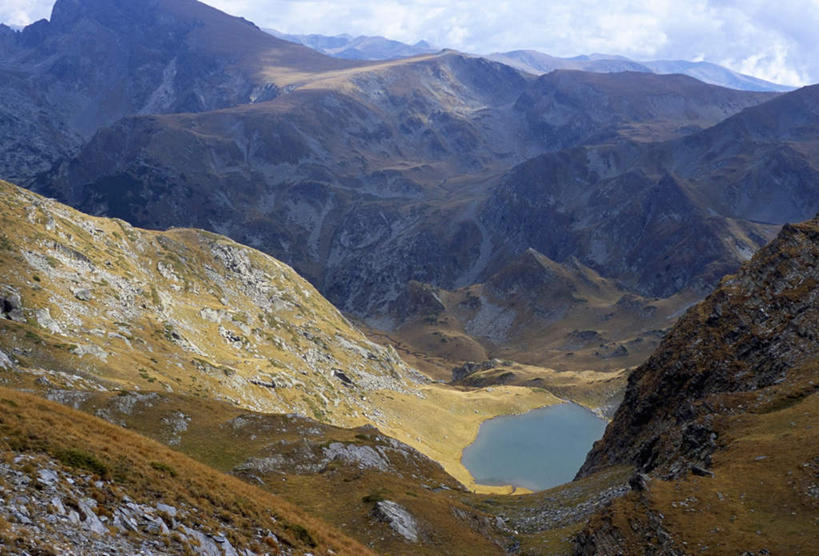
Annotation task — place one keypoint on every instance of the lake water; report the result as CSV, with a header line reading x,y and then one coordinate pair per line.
x,y
537,450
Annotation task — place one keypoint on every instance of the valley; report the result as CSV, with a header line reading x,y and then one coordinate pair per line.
x,y
257,298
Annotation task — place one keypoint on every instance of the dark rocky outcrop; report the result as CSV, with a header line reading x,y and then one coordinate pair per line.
x,y
746,336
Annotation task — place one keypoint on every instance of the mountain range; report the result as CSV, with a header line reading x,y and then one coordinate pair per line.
x,y
321,275
539,63
532,61
365,176
358,48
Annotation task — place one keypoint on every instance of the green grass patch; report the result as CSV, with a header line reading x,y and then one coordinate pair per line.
x,y
83,460
302,534
164,468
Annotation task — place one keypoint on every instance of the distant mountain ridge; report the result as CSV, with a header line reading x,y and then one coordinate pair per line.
x,y
539,63
532,61
357,47
95,62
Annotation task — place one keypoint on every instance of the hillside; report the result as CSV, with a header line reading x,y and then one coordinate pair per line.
x,y
533,311
664,215
372,177
721,419
179,311
194,313
74,484
337,475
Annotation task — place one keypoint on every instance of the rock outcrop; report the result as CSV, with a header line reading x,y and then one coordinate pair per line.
x,y
720,423
746,336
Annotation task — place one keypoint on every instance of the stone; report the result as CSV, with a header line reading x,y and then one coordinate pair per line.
x,y
170,510
11,307
83,294
363,457
5,362
45,320
701,471
92,522
639,482
47,477
157,526
398,518
58,506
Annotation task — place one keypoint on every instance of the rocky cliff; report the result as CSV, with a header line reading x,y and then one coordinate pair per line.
x,y
746,336
720,421
95,62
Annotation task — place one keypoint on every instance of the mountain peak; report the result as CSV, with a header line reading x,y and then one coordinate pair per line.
x,y
66,13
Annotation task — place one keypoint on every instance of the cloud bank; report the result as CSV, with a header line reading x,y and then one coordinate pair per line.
x,y
772,40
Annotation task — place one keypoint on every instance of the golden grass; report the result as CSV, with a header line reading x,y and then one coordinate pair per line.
x,y
140,467
446,420
342,495
760,496
148,326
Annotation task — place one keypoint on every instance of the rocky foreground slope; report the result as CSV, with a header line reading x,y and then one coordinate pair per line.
x,y
74,484
721,421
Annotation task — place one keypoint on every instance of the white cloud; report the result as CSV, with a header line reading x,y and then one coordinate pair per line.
x,y
773,40
23,12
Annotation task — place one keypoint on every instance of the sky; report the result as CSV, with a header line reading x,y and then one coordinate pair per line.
x,y
777,41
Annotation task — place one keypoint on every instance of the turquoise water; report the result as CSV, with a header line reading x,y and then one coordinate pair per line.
x,y
537,450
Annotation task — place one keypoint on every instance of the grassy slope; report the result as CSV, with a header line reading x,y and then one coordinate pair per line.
x,y
224,437
145,327
183,311
763,493
148,471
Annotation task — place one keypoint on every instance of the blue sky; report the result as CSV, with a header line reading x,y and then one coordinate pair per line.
x,y
772,40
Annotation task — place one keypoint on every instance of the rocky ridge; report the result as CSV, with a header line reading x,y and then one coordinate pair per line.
x,y
94,62
746,336
540,63
720,422
393,172
179,311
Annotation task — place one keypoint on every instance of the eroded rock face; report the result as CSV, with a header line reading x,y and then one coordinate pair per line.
x,y
95,62
228,317
398,518
747,335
